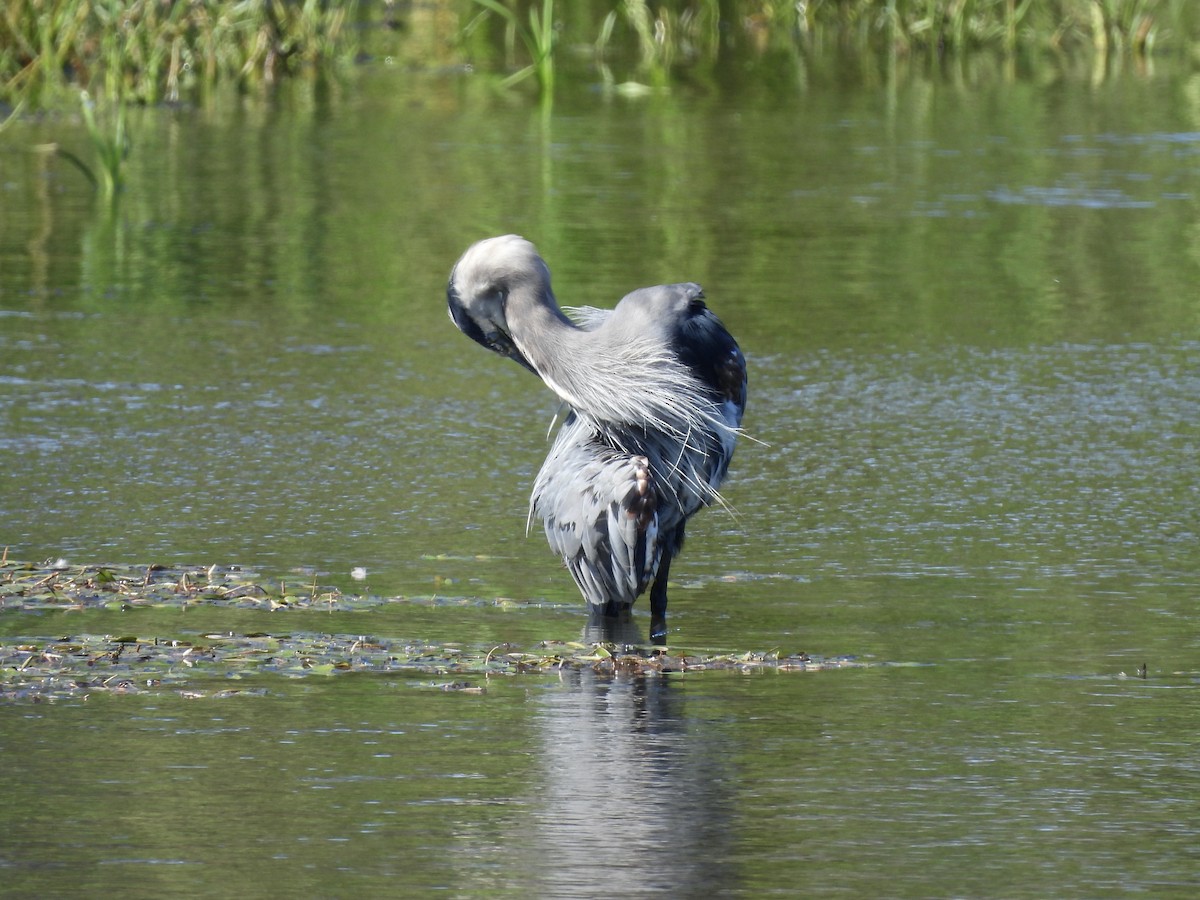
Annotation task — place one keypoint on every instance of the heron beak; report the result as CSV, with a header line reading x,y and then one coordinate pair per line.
x,y
488,333
502,343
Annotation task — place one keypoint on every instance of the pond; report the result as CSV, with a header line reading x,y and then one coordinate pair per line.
x,y
973,477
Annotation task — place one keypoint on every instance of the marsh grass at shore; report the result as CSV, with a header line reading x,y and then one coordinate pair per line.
x,y
152,52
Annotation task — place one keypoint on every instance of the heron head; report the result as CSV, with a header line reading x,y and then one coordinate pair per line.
x,y
482,283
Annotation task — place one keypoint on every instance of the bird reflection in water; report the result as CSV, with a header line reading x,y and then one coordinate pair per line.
x,y
634,792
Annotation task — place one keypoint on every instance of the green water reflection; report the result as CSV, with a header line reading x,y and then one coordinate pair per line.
x,y
974,339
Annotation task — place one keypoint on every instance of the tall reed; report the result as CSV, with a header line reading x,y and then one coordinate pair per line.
x,y
150,50
538,38
110,145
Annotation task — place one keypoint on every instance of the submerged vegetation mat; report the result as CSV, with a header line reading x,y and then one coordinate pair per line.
x,y
38,668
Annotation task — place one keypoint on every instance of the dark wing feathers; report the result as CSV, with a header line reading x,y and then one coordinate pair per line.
x,y
705,347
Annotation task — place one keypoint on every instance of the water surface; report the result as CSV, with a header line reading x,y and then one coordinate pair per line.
x,y
974,339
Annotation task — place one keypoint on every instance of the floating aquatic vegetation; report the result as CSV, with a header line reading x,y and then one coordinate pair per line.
x,y
57,585
38,668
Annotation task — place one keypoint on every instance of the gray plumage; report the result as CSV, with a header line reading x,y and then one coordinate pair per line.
x,y
656,389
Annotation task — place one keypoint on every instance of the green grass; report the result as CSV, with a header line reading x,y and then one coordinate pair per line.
x,y
110,145
538,38
150,51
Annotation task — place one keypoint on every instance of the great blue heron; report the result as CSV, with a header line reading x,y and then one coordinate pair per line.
x,y
656,389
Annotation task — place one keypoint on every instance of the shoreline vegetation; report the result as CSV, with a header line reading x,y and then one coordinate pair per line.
x,y
35,667
156,52
96,58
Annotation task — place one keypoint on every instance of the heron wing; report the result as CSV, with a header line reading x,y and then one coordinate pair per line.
x,y
600,512
587,317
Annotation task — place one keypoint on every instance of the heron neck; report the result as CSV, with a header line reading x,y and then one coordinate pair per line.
x,y
608,374
557,348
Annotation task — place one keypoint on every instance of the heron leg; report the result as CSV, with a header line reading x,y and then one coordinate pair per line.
x,y
658,591
658,603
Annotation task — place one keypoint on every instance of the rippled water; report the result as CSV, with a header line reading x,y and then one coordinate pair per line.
x,y
974,340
